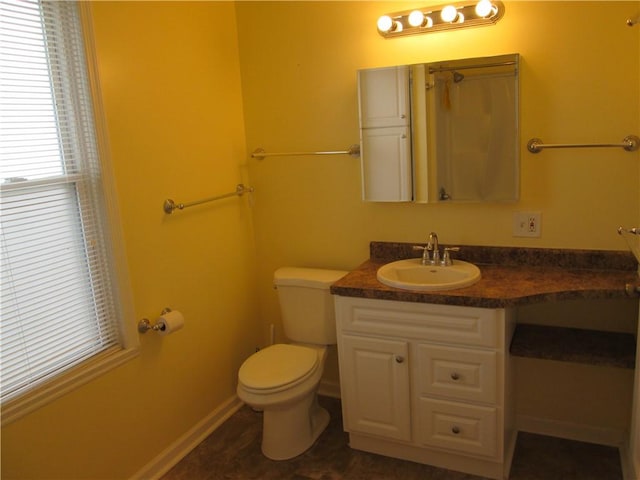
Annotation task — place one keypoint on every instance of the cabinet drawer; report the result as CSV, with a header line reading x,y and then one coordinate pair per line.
x,y
464,428
436,323
459,373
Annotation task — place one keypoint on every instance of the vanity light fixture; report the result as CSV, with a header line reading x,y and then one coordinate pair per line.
x,y
442,17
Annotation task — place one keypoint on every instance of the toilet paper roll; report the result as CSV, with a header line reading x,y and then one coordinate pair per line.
x,y
170,322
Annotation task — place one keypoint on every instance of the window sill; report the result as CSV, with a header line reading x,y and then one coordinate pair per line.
x,y
16,408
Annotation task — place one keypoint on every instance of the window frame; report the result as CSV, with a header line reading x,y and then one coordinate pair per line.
x,y
110,358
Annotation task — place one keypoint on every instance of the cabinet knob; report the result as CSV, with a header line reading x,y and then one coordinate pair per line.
x,y
455,430
399,359
402,115
455,376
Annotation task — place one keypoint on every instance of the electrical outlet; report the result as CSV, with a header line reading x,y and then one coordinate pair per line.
x,y
527,224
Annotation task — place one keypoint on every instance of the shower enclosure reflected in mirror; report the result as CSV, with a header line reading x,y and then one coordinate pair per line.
x,y
441,132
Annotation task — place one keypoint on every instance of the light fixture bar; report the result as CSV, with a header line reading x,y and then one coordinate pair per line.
x,y
440,18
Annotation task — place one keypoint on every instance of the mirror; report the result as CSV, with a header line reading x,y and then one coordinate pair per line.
x,y
441,132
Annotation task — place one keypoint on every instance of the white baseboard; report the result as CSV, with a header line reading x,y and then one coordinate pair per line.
x,y
175,452
329,388
572,431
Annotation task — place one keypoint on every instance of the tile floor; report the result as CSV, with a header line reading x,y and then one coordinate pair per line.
x,y
233,452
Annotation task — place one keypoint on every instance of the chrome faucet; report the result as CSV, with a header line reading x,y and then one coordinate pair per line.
x,y
432,245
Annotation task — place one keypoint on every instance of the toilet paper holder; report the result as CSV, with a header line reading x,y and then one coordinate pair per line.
x,y
144,325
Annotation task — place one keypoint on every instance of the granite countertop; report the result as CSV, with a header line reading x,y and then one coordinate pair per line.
x,y
510,276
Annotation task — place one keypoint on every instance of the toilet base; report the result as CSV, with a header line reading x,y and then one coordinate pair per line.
x,y
291,429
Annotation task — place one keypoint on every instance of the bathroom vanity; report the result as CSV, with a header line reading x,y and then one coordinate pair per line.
x,y
428,376
427,382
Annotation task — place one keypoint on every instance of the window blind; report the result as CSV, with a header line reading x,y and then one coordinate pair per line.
x,y
57,305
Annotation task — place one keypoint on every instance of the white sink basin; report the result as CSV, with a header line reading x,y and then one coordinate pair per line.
x,y
409,274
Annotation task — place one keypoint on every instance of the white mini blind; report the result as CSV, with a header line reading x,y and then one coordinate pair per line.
x,y
57,304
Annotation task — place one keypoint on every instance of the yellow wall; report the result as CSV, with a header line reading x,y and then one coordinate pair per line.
x,y
183,83
171,89
580,82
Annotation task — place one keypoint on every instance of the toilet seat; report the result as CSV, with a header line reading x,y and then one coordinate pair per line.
x,y
278,367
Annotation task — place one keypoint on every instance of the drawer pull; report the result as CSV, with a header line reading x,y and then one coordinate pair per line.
x,y
455,376
399,359
455,430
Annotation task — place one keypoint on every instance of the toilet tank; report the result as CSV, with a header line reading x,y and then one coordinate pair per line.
x,y
306,303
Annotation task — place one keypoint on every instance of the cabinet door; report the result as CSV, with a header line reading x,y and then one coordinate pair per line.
x,y
384,97
375,386
386,164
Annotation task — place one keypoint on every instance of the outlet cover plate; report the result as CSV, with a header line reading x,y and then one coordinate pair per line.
x,y
527,224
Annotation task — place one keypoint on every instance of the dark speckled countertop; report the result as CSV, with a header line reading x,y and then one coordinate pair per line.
x,y
510,276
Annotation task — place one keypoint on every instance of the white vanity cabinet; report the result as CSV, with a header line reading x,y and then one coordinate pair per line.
x,y
427,383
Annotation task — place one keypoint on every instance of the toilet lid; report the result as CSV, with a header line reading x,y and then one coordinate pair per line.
x,y
277,365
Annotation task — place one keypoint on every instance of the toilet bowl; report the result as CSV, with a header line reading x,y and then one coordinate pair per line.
x,y
282,381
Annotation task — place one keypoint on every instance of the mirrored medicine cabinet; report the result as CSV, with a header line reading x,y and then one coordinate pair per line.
x,y
441,132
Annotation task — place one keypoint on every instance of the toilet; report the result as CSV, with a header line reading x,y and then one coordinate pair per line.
x,y
282,379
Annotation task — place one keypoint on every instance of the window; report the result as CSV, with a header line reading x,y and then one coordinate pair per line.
x,y
59,294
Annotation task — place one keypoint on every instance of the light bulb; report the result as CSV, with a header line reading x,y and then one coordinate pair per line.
x,y
449,13
484,8
416,18
429,22
385,23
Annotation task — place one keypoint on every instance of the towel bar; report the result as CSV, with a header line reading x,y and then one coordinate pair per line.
x,y
169,205
630,143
